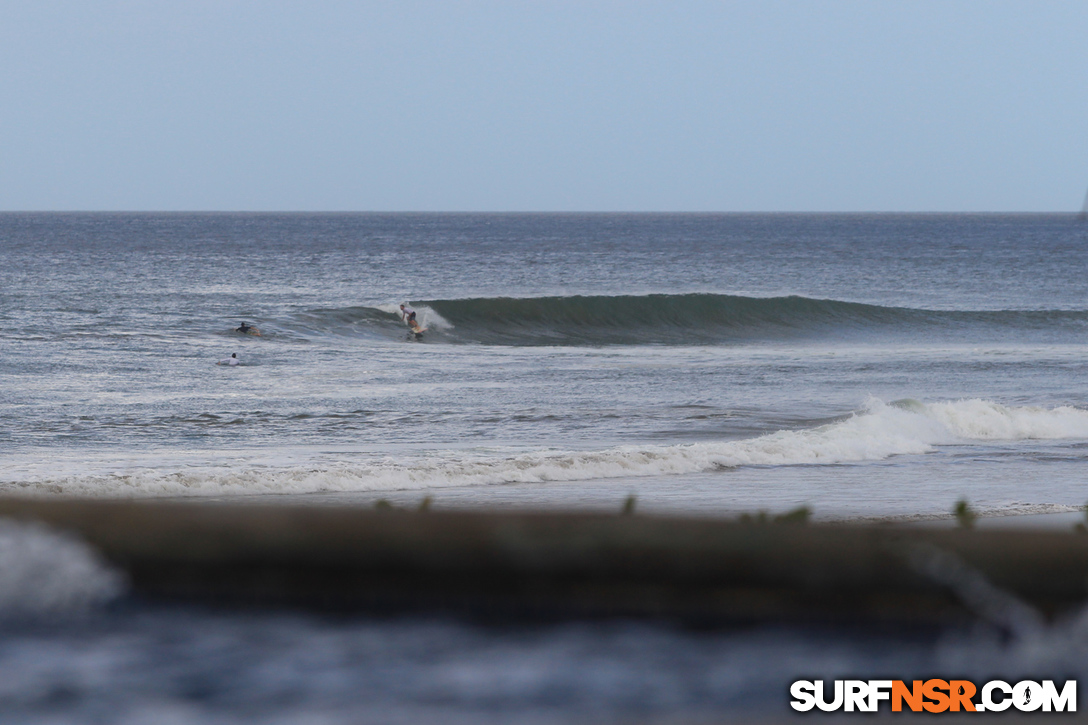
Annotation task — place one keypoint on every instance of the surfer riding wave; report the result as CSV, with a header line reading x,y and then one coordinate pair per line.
x,y
409,316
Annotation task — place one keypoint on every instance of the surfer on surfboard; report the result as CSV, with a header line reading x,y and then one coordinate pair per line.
x,y
409,316
247,329
232,360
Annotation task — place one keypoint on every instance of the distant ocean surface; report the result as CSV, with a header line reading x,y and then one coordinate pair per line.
x,y
863,365
869,367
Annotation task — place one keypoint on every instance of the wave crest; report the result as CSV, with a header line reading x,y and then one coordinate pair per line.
x,y
672,319
877,432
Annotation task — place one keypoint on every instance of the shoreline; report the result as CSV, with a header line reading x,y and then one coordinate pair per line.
x,y
1043,516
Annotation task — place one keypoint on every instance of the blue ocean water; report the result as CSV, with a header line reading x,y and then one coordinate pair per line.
x,y
866,366
705,362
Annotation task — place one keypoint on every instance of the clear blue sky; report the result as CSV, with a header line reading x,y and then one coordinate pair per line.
x,y
828,105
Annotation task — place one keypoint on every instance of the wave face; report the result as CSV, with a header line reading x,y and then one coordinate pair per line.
x,y
879,431
678,319
641,319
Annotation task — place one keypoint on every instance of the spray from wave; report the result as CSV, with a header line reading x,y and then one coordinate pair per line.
x,y
877,432
427,316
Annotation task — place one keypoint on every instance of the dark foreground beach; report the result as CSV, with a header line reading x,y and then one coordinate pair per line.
x,y
568,565
224,611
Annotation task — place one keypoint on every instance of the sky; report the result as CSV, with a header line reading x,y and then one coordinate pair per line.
x,y
411,105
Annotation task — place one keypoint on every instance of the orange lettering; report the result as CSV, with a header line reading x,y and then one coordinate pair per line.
x,y
913,697
961,692
932,690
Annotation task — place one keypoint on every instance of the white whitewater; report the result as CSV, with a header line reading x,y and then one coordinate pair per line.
x,y
877,432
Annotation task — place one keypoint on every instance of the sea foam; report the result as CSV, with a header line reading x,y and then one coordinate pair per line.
x,y
876,432
47,572
428,317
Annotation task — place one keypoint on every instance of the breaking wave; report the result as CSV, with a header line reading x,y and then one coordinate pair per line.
x,y
672,319
877,432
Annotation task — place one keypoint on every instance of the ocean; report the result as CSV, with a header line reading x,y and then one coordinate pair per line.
x,y
870,367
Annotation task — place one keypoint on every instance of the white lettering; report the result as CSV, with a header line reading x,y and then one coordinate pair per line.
x,y
1027,696
995,696
879,690
834,704
803,692
1066,701
987,696
857,695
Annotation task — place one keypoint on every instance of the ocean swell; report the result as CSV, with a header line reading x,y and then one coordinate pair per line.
x,y
673,319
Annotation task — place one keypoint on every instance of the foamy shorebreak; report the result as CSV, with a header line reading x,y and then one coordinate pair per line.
x,y
877,432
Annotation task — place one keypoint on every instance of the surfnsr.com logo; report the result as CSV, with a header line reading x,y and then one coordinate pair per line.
x,y
935,696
